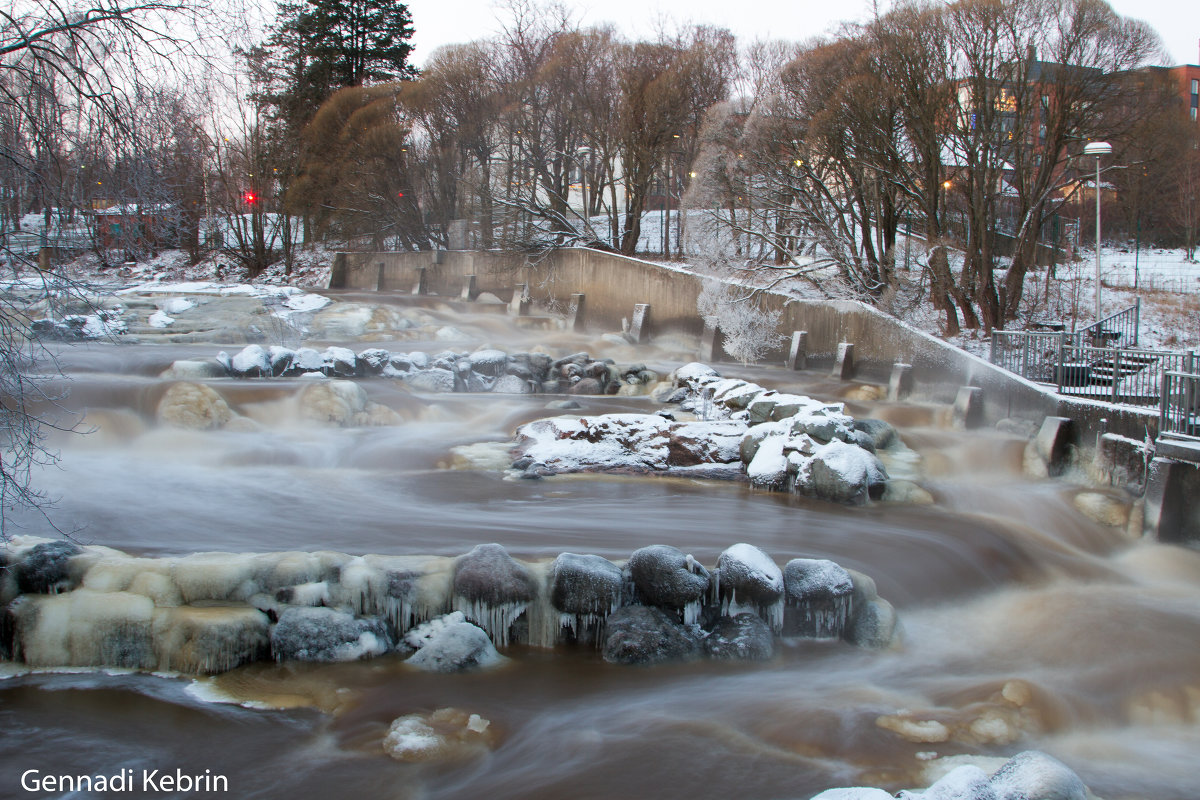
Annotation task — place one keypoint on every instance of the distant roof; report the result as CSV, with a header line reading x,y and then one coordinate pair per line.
x,y
132,208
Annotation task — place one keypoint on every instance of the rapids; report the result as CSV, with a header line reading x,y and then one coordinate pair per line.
x,y
1026,623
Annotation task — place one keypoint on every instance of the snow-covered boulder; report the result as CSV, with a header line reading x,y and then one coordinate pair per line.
x,y
512,384
585,585
1034,774
433,379
251,362
340,362
967,782
193,370
491,363
855,793
873,625
306,359
446,735
492,589
744,637
451,644
645,635
193,406
45,568
769,467
843,473
373,360
692,376
748,578
326,634
667,578
818,598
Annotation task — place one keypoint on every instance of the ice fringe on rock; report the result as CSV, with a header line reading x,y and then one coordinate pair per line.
x,y
818,598
451,644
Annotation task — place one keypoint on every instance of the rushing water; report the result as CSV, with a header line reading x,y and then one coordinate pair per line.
x,y
1026,624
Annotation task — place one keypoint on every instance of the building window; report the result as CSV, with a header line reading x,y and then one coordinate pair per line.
x,y
1195,86
1193,110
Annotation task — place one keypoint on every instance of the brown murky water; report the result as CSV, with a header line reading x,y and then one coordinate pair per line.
x,y
1026,624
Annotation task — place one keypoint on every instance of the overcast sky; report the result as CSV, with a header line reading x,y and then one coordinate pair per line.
x,y
440,22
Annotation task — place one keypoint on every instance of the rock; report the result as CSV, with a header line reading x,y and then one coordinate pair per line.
x,y
281,359
446,735
488,574
193,406
644,635
967,782
691,376
748,575
667,578
333,402
585,585
563,405
769,467
491,363
845,473
818,598
881,433
252,362
1102,508
326,634
873,624
451,644
586,386
743,637
206,640
760,408
373,360
398,363
694,443
861,439
511,384
1033,774
857,793
189,370
306,359
340,361
431,380
45,568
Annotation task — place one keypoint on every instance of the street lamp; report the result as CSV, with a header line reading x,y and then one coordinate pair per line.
x,y
1097,149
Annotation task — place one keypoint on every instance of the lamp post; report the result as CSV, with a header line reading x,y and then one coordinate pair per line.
x,y
1097,149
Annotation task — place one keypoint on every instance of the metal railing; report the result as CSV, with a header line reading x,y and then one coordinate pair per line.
x,y
1124,375
1120,328
1179,410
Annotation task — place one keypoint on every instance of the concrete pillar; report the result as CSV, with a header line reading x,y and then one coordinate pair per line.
x,y
1051,444
519,306
712,342
419,281
1172,513
575,313
639,330
379,277
968,407
337,274
843,365
44,255
469,292
798,353
901,383
458,232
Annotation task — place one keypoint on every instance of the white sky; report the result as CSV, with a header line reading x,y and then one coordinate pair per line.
x,y
440,22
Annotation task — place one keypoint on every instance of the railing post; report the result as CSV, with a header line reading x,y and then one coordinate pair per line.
x,y
992,354
1058,374
1116,353
1025,356
1137,319
1164,403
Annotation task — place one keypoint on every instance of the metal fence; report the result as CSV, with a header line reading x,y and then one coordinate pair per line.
x,y
1121,328
1075,367
1179,411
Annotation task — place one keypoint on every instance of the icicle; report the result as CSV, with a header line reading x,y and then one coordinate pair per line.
x,y
495,620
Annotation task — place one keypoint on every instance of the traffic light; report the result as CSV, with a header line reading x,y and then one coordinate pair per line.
x,y
250,198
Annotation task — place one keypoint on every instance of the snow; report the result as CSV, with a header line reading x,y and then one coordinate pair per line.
x,y
104,324
761,566
306,302
159,319
177,305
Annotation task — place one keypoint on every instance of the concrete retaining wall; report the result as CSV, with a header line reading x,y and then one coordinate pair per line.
x,y
613,284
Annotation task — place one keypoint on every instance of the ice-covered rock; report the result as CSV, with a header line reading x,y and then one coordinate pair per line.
x,y
967,782
1033,774
747,578
769,467
843,473
818,598
743,637
160,319
307,359
446,735
84,628
492,589
192,370
585,585
692,375
488,362
882,433
855,793
340,362
451,644
873,624
511,384
45,568
433,379
193,406
326,634
281,359
373,360
210,639
646,635
251,362
667,578
333,402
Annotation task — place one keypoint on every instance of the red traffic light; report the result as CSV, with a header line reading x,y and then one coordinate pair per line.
x,y
249,198
399,194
